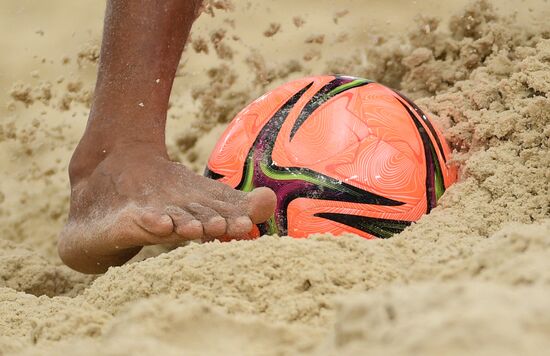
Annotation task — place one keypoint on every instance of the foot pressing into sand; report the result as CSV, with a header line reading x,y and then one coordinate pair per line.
x,y
136,197
125,191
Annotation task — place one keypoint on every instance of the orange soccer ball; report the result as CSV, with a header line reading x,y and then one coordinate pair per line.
x,y
342,154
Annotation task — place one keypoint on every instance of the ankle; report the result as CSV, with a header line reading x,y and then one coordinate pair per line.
x,y
86,157
93,150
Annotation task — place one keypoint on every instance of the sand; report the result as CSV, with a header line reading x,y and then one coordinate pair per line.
x,y
473,277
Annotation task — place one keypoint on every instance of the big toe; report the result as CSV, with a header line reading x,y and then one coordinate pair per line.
x,y
261,204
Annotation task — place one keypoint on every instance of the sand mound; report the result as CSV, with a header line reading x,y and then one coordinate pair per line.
x,y
472,277
293,282
442,319
166,326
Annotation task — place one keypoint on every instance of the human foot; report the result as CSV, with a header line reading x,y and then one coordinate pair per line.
x,y
135,196
125,192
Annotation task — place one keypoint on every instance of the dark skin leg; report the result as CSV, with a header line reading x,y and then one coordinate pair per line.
x,y
125,191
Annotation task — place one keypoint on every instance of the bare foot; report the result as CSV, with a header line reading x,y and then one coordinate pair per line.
x,y
125,192
135,197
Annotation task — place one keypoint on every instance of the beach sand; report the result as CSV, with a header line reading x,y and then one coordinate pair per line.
x,y
472,277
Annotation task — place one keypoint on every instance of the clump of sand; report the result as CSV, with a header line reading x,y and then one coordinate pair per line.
x,y
470,278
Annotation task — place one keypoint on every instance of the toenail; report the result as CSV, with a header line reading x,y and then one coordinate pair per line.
x,y
194,223
245,220
165,219
216,219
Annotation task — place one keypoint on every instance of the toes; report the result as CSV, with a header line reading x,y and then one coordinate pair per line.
x,y
185,224
238,223
239,227
213,224
261,204
155,222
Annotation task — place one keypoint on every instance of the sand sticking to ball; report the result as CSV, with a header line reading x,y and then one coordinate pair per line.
x,y
473,277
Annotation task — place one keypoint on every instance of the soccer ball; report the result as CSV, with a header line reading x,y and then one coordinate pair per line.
x,y
343,154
